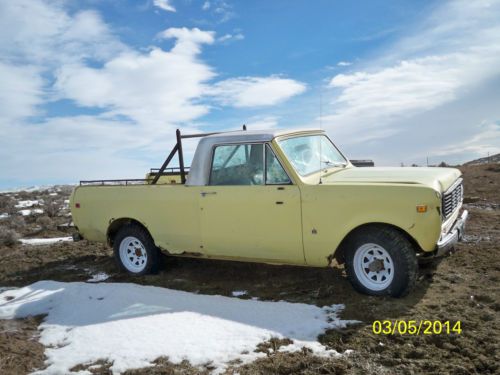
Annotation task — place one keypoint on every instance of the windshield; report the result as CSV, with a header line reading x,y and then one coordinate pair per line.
x,y
311,153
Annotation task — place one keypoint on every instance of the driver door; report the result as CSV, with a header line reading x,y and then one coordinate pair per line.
x,y
251,210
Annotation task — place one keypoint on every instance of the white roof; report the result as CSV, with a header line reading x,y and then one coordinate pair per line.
x,y
200,167
254,135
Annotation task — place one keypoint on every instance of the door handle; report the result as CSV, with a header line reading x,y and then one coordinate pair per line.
x,y
279,202
203,193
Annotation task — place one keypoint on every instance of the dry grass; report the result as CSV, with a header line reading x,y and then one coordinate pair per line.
x,y
8,237
7,204
52,207
46,223
16,222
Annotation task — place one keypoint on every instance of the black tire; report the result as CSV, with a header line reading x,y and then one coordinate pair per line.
x,y
150,264
404,265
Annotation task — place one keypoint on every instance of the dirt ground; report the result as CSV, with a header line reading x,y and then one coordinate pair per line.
x,y
461,287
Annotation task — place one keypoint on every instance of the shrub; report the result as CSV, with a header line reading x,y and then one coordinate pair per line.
x,y
24,195
52,207
7,204
66,190
8,237
45,222
16,222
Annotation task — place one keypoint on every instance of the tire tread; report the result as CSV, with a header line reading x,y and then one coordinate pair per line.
x,y
400,249
146,239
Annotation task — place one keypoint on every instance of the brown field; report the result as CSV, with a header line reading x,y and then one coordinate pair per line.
x,y
461,287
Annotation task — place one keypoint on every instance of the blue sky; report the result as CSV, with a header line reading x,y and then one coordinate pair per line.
x,y
96,89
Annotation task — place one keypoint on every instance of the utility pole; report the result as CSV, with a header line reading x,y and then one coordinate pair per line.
x,y
427,161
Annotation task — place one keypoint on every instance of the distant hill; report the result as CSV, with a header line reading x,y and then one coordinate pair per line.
x,y
491,159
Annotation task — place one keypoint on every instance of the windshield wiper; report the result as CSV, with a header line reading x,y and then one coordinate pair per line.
x,y
334,164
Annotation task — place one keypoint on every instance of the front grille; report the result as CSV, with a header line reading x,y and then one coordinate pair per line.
x,y
452,198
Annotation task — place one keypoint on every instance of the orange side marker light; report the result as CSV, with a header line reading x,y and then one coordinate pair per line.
x,y
421,208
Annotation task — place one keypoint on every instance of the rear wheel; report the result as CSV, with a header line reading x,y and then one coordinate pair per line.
x,y
135,251
381,261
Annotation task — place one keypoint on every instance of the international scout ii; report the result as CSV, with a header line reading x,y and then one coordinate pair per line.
x,y
282,197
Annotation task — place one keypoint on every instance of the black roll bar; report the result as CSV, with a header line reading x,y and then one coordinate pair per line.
x,y
178,149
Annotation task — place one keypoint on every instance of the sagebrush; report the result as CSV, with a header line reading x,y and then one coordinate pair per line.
x,y
8,237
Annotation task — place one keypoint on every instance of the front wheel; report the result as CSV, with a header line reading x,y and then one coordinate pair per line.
x,y
135,251
381,261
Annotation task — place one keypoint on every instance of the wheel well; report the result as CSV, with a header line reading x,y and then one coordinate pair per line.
x,y
117,224
339,254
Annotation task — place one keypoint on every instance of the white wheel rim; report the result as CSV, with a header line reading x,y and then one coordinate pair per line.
x,y
133,254
373,266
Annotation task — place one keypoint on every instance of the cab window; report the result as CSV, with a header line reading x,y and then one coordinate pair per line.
x,y
275,174
241,164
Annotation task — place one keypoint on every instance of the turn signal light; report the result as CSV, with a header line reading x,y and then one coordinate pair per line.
x,y
421,208
77,205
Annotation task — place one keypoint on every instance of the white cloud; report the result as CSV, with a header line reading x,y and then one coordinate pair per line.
x,y
21,92
151,88
189,41
344,63
403,89
164,4
71,148
38,28
226,38
451,53
42,36
262,122
140,96
206,5
256,91
486,140
223,10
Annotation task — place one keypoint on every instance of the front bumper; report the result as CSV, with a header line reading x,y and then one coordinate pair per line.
x,y
450,239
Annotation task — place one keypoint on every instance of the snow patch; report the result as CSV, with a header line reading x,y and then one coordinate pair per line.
x,y
130,325
36,188
29,212
5,288
27,189
44,241
66,225
98,277
4,216
239,293
25,204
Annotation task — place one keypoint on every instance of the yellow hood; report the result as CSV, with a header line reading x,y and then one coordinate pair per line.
x,y
439,179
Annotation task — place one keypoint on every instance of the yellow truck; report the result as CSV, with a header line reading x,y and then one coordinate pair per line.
x,y
281,197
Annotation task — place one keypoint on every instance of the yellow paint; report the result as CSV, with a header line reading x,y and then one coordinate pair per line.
x,y
301,224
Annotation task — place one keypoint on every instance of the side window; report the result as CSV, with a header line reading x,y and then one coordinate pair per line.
x,y
238,165
275,174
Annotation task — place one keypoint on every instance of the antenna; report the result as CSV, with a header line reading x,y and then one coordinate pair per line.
x,y
321,108
321,127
